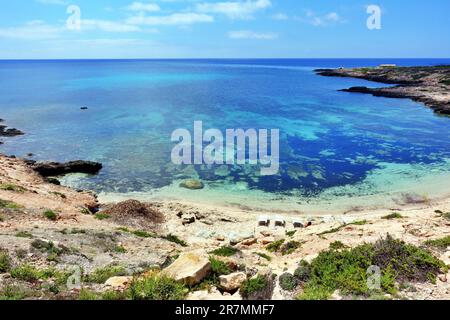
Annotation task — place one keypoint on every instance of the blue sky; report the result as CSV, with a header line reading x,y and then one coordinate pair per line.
x,y
36,29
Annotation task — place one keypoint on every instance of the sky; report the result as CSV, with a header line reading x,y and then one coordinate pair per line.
x,y
123,29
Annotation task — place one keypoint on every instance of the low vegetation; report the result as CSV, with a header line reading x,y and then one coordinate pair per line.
x,y
50,215
102,216
288,282
175,239
100,275
257,288
4,204
264,256
392,216
275,246
5,261
157,287
283,247
347,269
226,251
337,229
442,243
30,273
12,187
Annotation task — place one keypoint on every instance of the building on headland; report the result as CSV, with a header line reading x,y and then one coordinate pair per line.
x,y
387,65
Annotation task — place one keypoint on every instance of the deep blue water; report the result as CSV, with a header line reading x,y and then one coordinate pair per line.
x,y
328,138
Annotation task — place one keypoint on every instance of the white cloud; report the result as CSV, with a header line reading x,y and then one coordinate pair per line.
x,y
32,30
140,6
235,10
248,34
107,26
173,19
280,17
57,2
320,21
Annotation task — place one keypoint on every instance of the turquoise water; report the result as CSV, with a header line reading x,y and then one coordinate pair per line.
x,y
331,142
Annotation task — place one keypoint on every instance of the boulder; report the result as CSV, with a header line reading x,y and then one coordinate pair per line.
x,y
267,240
118,283
249,242
212,295
190,268
232,281
192,184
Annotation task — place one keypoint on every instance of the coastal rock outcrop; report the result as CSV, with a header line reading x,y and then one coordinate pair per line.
x,y
48,169
12,132
427,85
190,268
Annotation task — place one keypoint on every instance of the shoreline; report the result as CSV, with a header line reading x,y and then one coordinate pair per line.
x,y
427,85
197,230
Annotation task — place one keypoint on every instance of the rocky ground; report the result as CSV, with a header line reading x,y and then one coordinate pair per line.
x,y
429,85
48,232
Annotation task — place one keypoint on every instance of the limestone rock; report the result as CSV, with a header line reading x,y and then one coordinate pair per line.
x,y
232,281
118,282
190,268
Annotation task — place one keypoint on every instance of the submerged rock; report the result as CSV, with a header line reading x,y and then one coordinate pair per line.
x,y
190,268
192,184
47,169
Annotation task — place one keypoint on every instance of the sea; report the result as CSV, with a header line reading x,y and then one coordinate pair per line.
x,y
339,151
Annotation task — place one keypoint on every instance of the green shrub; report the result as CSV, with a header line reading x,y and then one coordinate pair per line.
x,y
12,187
290,247
346,270
12,293
258,288
264,256
48,247
5,262
120,249
288,282
392,216
157,288
143,234
225,251
87,295
24,234
29,273
4,204
102,216
219,267
303,272
315,292
291,233
337,245
50,215
442,243
175,239
275,246
100,275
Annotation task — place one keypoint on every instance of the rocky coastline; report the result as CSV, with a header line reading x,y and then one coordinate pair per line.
x,y
427,85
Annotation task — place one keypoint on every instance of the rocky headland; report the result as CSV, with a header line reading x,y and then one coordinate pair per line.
x,y
428,85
